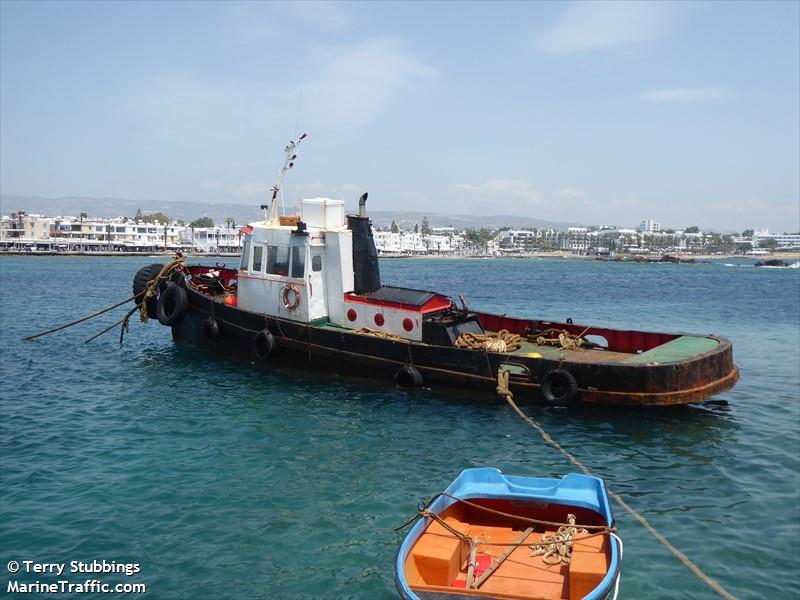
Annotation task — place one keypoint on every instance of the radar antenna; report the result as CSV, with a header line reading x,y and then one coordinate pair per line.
x,y
288,163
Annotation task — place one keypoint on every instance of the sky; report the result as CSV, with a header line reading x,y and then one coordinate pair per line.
x,y
591,112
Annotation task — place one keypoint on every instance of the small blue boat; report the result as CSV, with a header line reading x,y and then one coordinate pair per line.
x,y
490,535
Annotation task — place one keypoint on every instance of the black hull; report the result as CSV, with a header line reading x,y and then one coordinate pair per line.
x,y
329,349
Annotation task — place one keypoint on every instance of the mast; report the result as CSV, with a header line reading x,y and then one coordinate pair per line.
x,y
288,163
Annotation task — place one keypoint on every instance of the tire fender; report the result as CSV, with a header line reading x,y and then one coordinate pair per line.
x,y
264,344
140,281
408,377
211,330
559,387
173,303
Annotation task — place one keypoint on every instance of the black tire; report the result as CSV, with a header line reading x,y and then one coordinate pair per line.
x,y
264,344
140,280
211,330
142,277
559,387
408,377
172,305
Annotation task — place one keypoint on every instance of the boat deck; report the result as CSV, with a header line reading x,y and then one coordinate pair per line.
x,y
438,564
682,348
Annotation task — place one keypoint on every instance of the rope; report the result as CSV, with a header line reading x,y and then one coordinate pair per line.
x,y
505,392
563,339
494,511
427,513
560,548
380,334
81,320
147,293
153,285
501,341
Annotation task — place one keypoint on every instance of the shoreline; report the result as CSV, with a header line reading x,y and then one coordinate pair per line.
x,y
683,258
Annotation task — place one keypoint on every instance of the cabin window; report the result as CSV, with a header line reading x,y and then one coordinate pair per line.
x,y
258,255
245,256
316,263
298,261
278,260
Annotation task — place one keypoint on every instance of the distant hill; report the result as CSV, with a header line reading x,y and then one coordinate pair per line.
x,y
244,213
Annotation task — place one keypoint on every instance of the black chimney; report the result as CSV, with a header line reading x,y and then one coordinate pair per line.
x,y
366,270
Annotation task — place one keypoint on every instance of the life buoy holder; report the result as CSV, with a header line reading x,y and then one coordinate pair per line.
x,y
559,387
291,296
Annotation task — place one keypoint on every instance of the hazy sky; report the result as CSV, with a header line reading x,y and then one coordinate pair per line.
x,y
603,113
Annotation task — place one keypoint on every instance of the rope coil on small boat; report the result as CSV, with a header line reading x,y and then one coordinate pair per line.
x,y
559,549
500,342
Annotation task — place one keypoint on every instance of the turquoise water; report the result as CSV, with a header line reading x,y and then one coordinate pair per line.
x,y
224,482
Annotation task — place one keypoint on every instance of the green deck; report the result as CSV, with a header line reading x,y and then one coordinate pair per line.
x,y
681,348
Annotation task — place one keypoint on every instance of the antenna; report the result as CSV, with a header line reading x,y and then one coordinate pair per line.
x,y
288,163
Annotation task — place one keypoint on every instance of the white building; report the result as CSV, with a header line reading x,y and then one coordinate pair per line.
x,y
786,241
443,231
439,244
649,226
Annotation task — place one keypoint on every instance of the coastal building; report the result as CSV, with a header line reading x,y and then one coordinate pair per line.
x,y
649,226
400,242
443,231
576,240
784,241
439,244
211,239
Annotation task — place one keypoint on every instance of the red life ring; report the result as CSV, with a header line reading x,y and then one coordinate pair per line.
x,y
291,296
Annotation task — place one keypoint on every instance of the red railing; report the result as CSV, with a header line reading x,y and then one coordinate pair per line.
x,y
618,340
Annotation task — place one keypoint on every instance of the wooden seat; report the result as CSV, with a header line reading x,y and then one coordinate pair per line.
x,y
438,554
588,567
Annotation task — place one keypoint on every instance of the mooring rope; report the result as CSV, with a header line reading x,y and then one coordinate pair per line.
x,y
81,320
145,294
504,391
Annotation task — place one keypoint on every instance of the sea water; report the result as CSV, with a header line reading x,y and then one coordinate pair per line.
x,y
221,481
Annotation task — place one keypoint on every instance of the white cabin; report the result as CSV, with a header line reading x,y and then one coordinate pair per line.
x,y
301,269
296,274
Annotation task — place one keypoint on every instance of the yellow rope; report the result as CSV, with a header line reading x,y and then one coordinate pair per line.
x,y
504,391
152,286
147,293
564,339
559,548
501,341
82,319
380,334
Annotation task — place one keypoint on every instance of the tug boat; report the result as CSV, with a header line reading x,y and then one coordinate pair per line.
x,y
490,535
307,293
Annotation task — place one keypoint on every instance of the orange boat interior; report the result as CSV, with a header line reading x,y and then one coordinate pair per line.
x,y
438,561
